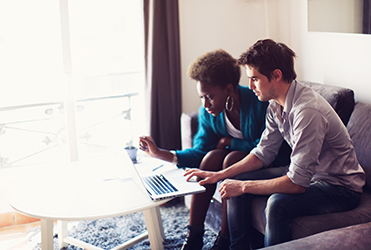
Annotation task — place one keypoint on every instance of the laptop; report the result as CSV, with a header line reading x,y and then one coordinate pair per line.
x,y
164,181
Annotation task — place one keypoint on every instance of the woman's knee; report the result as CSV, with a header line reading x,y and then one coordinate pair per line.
x,y
233,157
213,160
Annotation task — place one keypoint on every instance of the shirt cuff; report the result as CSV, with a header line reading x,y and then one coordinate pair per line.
x,y
175,158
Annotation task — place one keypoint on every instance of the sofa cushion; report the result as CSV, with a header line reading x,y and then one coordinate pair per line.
x,y
341,99
359,130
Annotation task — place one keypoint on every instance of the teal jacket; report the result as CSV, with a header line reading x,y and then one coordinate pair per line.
x,y
211,129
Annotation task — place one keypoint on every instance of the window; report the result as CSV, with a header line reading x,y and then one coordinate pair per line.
x,y
71,76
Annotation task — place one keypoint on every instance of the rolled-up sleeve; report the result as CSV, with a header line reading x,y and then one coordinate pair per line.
x,y
308,134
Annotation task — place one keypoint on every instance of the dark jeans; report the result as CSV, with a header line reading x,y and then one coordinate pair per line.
x,y
319,198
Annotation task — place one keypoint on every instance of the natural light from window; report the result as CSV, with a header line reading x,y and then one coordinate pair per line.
x,y
71,79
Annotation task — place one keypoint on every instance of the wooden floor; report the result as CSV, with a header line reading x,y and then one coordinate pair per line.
x,y
14,227
17,237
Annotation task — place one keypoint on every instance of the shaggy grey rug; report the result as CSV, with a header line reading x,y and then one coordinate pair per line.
x,y
108,233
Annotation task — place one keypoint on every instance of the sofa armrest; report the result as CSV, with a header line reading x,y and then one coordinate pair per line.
x,y
189,127
359,130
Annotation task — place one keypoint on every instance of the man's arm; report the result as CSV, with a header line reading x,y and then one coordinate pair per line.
x,y
232,188
247,164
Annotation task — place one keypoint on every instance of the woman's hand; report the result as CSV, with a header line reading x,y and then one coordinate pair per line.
x,y
148,145
224,142
231,188
205,177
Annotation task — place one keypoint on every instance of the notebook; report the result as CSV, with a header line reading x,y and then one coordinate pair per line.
x,y
166,184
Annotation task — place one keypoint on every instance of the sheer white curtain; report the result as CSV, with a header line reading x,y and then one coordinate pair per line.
x,y
71,79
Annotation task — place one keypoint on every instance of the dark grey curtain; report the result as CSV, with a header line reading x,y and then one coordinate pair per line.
x,y
163,84
366,17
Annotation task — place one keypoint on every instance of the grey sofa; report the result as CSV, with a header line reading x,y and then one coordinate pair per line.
x,y
322,231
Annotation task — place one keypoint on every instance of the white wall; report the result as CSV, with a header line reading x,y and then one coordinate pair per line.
x,y
206,25
332,58
234,25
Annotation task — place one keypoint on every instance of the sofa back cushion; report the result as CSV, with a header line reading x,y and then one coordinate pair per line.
x,y
341,99
189,127
360,132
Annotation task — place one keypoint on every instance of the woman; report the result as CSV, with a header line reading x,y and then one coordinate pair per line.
x,y
231,120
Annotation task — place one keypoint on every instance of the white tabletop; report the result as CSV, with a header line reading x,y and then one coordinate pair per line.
x,y
86,190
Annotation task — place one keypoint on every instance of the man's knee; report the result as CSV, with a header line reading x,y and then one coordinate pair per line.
x,y
277,206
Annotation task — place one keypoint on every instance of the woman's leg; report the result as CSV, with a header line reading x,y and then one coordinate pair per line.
x,y
222,242
213,161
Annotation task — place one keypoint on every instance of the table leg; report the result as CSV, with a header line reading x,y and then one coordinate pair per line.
x,y
62,233
47,234
155,228
159,221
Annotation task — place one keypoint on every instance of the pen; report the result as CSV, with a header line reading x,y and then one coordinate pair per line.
x,y
157,167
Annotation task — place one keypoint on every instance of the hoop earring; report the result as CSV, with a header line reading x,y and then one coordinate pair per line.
x,y
229,98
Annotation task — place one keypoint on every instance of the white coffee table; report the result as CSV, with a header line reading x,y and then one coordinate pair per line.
x,y
87,190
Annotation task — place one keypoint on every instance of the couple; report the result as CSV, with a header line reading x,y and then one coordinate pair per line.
x,y
242,140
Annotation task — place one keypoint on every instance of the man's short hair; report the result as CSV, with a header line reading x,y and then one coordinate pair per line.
x,y
217,67
267,55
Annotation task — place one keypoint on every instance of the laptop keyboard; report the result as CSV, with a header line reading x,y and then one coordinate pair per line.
x,y
159,184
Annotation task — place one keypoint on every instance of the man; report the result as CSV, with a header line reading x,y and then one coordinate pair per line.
x,y
324,175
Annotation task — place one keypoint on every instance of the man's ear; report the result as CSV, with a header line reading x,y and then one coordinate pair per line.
x,y
277,74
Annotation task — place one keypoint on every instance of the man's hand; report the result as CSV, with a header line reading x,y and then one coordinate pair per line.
x,y
204,177
283,184
231,188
